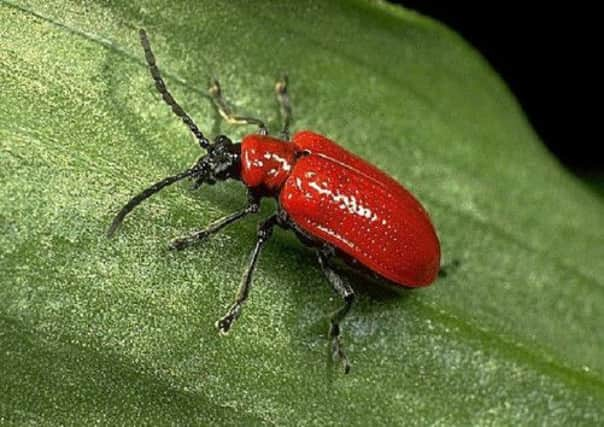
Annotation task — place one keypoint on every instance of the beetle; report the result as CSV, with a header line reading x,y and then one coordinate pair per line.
x,y
334,201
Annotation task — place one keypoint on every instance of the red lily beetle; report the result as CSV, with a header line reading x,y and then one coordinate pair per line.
x,y
334,201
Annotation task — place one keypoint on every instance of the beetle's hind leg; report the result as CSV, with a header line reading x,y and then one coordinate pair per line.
x,y
226,112
284,105
265,230
345,291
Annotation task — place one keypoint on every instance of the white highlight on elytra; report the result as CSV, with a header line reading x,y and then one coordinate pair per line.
x,y
336,235
285,165
346,202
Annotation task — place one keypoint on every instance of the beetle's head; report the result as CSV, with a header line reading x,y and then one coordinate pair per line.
x,y
221,163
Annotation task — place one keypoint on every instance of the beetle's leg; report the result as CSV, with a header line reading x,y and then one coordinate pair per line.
x,y
284,105
265,230
198,236
345,291
226,112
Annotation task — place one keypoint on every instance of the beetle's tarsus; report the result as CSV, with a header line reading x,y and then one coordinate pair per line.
x,y
180,244
176,245
184,242
224,325
336,346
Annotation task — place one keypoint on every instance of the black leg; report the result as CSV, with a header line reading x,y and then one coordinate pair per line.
x,y
227,113
345,291
198,236
265,230
284,105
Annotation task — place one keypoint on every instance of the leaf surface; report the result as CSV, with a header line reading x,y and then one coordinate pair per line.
x,y
121,331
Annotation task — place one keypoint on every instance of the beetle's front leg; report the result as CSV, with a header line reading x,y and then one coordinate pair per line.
x,y
265,230
345,291
200,235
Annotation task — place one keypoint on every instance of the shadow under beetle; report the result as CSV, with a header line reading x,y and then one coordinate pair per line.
x,y
334,201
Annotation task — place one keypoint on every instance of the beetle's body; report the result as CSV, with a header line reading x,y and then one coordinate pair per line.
x,y
340,199
333,200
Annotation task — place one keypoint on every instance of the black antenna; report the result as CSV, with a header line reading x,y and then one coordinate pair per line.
x,y
136,200
166,95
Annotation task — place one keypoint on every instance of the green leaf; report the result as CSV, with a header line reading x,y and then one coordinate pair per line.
x,y
122,331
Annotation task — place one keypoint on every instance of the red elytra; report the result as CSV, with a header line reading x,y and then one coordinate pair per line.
x,y
338,197
334,201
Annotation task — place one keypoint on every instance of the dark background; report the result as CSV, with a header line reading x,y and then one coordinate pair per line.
x,y
546,53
